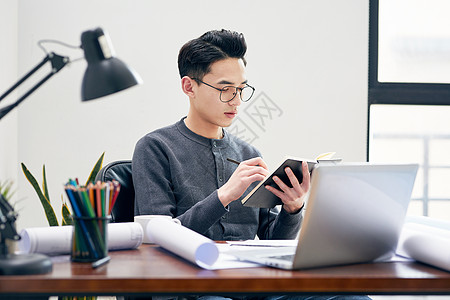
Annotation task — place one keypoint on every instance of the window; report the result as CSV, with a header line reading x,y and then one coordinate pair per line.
x,y
414,41
409,95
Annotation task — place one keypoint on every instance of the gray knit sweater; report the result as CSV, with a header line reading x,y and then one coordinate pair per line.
x,y
177,172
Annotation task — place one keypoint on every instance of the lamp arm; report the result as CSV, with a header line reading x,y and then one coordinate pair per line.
x,y
58,62
20,81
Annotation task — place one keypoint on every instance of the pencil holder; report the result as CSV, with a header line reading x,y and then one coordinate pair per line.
x,y
89,238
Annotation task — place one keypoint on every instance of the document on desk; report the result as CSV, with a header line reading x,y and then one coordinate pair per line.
x,y
265,243
192,246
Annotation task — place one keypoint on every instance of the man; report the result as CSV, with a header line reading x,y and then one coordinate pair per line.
x,y
182,170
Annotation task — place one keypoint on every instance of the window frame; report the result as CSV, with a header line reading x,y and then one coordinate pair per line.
x,y
398,93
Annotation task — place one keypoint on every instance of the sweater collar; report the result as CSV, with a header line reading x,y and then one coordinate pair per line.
x,y
219,143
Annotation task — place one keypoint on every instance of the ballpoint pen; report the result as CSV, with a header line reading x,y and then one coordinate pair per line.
x,y
101,262
233,161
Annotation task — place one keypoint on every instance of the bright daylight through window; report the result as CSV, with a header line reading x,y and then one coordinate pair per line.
x,y
413,51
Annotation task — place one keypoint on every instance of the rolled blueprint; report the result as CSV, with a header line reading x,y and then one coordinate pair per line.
x,y
56,240
183,242
426,240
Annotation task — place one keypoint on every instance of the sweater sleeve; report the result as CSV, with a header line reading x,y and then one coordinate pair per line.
x,y
154,188
274,225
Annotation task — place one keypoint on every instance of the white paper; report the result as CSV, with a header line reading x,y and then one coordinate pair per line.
x,y
426,241
55,240
228,261
192,246
265,243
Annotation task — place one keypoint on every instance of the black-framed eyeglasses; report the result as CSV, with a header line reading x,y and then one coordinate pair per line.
x,y
229,92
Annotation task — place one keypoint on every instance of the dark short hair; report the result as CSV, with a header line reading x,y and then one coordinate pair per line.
x,y
196,56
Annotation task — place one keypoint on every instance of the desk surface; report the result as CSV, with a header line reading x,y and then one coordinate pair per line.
x,y
151,270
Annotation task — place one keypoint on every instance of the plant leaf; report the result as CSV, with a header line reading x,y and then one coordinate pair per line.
x,y
96,169
66,216
44,184
6,189
49,212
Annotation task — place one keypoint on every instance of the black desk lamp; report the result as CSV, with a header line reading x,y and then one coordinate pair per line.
x,y
105,75
17,264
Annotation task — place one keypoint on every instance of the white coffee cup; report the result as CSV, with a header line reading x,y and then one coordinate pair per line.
x,y
144,219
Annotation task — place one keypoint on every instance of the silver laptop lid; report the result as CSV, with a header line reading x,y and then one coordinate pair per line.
x,y
354,213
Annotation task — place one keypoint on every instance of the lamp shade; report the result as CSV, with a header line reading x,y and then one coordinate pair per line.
x,y
105,73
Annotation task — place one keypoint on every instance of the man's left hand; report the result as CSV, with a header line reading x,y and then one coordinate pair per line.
x,y
292,198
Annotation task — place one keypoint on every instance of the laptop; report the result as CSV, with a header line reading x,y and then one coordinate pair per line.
x,y
353,214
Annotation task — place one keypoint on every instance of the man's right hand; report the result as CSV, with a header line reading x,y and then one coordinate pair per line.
x,y
248,171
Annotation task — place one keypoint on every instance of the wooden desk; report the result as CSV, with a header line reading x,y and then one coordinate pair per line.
x,y
151,270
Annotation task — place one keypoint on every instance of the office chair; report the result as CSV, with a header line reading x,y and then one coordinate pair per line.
x,y
123,210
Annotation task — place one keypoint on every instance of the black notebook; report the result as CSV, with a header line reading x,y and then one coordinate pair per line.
x,y
261,197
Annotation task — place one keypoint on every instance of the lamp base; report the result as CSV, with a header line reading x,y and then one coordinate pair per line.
x,y
25,264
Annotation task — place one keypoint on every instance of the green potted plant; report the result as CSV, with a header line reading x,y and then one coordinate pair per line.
x,y
7,192
45,198
6,189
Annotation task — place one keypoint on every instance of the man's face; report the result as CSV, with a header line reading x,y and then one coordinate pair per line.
x,y
206,103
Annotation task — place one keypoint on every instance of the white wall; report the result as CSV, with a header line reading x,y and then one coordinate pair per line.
x,y
8,75
308,57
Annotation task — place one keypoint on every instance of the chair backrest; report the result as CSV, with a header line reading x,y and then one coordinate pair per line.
x,y
123,210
